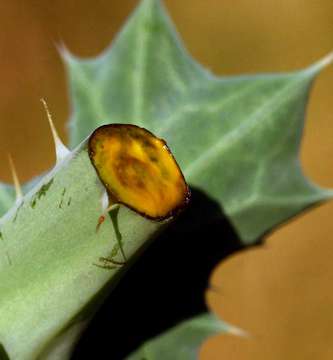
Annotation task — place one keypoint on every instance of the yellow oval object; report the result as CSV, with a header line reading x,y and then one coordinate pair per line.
x,y
138,170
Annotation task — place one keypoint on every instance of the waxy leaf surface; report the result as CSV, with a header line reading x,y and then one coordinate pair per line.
x,y
236,138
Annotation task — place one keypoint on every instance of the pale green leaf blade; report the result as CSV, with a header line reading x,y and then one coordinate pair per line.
x,y
181,342
7,197
49,247
236,138
142,79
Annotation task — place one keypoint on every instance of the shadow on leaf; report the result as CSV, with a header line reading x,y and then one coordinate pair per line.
x,y
166,284
3,353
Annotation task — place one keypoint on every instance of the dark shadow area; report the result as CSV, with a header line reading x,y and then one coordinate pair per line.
x,y
166,285
3,353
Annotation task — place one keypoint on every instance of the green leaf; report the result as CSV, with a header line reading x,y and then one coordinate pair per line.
x,y
51,281
181,342
236,138
7,197
7,193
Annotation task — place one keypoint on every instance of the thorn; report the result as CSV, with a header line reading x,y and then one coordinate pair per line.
x,y
61,149
17,185
322,63
63,51
234,330
326,60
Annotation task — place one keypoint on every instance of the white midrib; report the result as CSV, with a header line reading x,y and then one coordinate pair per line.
x,y
140,72
190,107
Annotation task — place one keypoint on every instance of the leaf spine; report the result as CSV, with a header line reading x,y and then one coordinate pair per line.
x,y
17,185
60,149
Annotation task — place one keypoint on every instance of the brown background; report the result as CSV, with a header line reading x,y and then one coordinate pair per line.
x,y
281,293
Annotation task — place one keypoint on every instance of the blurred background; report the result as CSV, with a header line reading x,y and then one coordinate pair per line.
x,y
281,292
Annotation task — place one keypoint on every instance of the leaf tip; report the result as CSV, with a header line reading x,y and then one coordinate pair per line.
x,y
322,63
324,194
65,54
63,50
235,330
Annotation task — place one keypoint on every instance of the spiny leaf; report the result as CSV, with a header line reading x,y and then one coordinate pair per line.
x,y
181,342
51,279
236,138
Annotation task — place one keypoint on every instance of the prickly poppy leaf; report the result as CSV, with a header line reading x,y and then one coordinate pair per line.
x,y
236,138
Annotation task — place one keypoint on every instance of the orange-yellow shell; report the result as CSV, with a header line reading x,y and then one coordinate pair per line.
x,y
138,170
